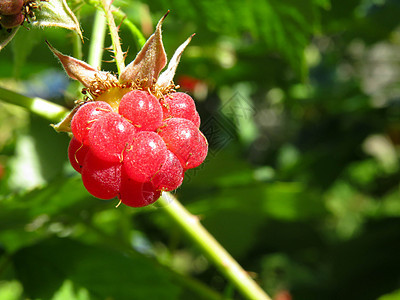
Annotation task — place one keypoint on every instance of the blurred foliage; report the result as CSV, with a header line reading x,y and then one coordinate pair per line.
x,y
300,102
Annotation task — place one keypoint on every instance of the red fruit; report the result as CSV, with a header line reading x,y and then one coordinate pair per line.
x,y
102,179
10,7
11,21
77,153
137,194
180,105
170,176
109,136
142,109
86,116
185,140
144,156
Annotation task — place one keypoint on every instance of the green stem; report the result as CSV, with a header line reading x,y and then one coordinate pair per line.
x,y
210,246
46,109
97,40
119,55
77,46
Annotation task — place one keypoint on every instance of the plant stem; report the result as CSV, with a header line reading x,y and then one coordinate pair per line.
x,y
97,40
210,246
46,109
119,55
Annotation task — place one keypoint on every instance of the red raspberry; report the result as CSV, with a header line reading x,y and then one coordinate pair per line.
x,y
102,179
137,194
84,118
185,140
77,153
109,136
170,176
133,154
144,156
10,7
180,105
142,109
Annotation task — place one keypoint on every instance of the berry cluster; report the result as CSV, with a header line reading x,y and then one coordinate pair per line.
x,y
141,150
11,13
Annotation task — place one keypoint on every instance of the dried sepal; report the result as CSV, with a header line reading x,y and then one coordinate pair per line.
x,y
65,124
81,71
148,63
166,77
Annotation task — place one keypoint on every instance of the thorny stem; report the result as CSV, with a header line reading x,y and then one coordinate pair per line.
x,y
119,55
210,246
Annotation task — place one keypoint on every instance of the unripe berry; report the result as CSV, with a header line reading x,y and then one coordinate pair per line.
x,y
10,7
11,21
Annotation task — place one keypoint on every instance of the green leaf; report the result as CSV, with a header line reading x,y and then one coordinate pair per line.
x,y
56,13
23,45
283,26
104,273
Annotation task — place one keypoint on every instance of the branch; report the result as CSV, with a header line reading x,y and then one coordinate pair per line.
x,y
46,109
119,55
210,246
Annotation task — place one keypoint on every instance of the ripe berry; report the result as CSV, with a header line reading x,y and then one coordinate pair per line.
x,y
84,118
10,7
144,156
142,109
109,136
180,105
137,194
76,154
170,176
102,179
185,140
11,21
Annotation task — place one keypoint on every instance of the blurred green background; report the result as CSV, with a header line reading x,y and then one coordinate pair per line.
x,y
300,102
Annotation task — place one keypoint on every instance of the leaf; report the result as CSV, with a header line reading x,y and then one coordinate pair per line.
x,y
6,37
79,70
166,77
104,273
23,45
56,13
283,26
149,61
